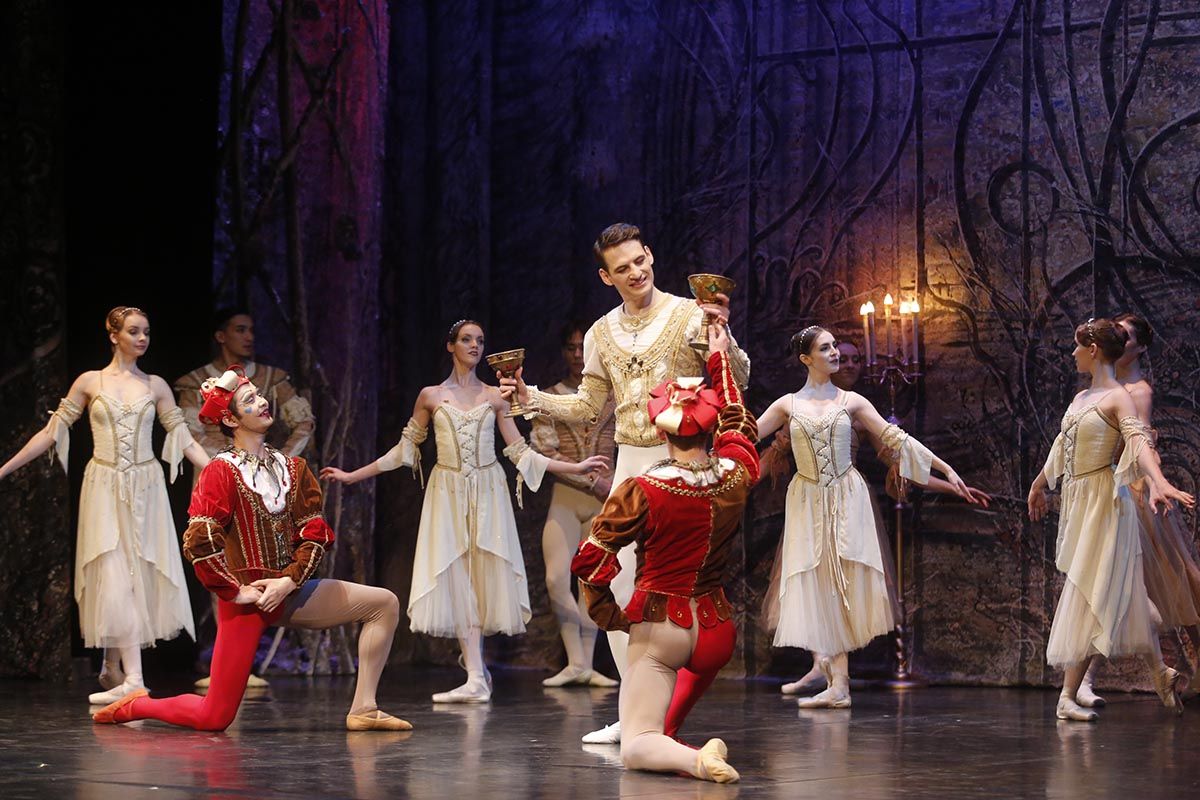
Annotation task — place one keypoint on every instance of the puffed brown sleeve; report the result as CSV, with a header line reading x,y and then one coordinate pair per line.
x,y
210,514
618,524
311,534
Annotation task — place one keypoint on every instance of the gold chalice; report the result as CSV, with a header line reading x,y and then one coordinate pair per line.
x,y
705,287
507,363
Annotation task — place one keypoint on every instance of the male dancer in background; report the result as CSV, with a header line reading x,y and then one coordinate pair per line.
x,y
233,332
294,425
630,350
575,502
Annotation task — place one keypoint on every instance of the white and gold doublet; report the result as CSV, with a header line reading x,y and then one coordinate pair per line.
x,y
629,362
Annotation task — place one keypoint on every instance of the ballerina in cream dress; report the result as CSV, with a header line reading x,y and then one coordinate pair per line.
x,y
468,572
129,581
833,595
1104,609
1169,562
1173,571
897,489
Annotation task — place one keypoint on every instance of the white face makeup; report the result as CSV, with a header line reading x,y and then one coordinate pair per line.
x,y
253,412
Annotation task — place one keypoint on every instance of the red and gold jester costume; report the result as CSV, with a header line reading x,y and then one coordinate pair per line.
x,y
236,536
256,518
684,519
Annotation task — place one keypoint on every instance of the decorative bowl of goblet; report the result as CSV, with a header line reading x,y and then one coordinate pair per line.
x,y
507,363
705,287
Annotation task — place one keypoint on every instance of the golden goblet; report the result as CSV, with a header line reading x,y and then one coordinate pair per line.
x,y
507,363
705,287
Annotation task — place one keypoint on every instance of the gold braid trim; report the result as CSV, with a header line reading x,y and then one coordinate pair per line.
x,y
591,539
68,411
728,481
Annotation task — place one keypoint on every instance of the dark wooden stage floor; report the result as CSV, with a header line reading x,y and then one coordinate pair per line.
x,y
929,743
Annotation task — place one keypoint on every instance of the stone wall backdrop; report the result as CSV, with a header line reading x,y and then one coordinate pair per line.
x,y
1016,165
382,170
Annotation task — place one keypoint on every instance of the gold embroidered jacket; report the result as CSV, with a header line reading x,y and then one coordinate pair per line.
x,y
233,539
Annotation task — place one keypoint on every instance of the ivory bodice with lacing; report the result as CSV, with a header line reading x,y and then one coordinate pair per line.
x,y
823,445
466,440
829,509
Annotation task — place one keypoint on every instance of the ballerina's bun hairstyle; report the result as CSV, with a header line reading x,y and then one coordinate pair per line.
x,y
452,334
1141,329
1108,337
116,318
802,342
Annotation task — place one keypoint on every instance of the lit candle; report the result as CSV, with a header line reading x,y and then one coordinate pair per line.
x,y
904,309
866,332
887,323
916,330
870,332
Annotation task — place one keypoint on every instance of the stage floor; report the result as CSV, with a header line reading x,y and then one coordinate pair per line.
x,y
935,742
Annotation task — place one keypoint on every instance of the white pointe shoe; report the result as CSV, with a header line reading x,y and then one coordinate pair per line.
x,y
473,691
569,676
114,694
712,765
110,677
830,698
1070,710
609,734
812,682
1087,697
601,681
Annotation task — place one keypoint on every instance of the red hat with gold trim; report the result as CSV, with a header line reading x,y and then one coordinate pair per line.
x,y
684,407
218,393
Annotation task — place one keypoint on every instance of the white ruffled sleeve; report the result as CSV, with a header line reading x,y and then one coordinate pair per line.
x,y
913,458
1056,462
531,466
178,439
1137,436
407,452
61,420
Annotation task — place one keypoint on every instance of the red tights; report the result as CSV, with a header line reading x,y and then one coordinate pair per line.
x,y
238,630
714,648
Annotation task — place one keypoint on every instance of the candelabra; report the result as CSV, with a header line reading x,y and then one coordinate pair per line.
x,y
893,368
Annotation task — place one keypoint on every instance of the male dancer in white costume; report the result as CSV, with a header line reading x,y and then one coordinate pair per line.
x,y
630,350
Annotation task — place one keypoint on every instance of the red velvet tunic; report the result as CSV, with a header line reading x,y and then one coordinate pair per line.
x,y
684,529
233,538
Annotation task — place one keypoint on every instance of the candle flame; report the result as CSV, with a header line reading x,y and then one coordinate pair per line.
x,y
913,307
868,307
887,299
904,307
863,309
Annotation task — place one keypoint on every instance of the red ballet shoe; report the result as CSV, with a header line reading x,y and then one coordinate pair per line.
x,y
111,713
